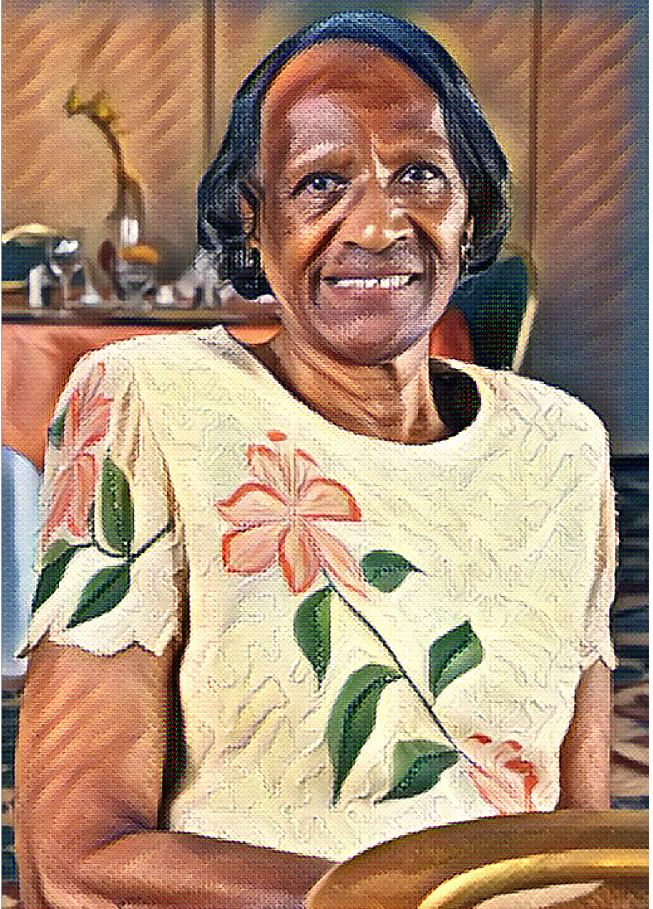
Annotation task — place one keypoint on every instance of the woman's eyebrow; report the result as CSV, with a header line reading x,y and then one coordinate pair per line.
x,y
419,142
323,154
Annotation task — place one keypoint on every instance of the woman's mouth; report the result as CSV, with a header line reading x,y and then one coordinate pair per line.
x,y
371,294
372,282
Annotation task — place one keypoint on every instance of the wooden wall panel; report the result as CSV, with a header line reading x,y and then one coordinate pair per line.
x,y
148,58
585,187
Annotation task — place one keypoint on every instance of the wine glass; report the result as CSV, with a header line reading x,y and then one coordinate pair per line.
x,y
64,261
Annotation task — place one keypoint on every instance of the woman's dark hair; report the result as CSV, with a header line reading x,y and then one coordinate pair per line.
x,y
476,152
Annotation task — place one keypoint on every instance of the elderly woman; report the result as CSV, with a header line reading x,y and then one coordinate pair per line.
x,y
301,599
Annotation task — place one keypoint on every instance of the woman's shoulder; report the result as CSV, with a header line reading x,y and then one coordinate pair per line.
x,y
175,355
535,398
155,370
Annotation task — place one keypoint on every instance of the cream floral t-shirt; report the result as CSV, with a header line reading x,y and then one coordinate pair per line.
x,y
376,637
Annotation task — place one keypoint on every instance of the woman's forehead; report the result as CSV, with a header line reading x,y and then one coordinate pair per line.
x,y
325,86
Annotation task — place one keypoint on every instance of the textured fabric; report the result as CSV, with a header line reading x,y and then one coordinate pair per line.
x,y
100,417
496,542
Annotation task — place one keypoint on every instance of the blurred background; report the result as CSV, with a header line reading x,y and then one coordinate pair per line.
x,y
563,84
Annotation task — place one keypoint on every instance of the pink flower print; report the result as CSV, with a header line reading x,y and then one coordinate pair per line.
x,y
86,422
503,778
275,519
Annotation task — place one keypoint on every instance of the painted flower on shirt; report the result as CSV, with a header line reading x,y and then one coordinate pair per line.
x,y
276,517
503,778
84,422
84,469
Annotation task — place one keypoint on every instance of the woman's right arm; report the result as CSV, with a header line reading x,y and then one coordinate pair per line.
x,y
89,767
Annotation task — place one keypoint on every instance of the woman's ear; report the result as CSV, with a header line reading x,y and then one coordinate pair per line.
x,y
468,233
248,209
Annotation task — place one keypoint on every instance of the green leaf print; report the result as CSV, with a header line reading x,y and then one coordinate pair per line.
x,y
91,519
452,655
418,765
312,629
55,429
117,508
386,570
55,549
55,562
103,593
353,716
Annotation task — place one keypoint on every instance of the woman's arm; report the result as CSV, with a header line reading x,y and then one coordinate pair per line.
x,y
89,769
585,753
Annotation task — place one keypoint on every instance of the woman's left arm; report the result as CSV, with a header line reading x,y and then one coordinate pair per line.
x,y
585,753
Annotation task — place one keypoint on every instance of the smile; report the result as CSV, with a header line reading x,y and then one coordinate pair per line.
x,y
387,282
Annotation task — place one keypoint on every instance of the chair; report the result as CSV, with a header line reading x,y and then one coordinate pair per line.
x,y
498,305
458,866
622,873
20,490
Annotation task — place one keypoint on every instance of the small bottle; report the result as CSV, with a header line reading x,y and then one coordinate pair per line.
x,y
38,287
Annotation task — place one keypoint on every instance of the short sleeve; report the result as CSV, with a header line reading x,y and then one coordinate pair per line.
x,y
596,643
111,552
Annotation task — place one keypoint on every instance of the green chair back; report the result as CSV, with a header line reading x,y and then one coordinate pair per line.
x,y
494,304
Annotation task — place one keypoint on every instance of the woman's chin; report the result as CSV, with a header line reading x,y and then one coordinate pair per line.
x,y
370,348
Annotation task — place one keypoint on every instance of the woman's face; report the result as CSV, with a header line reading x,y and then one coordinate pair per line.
x,y
362,207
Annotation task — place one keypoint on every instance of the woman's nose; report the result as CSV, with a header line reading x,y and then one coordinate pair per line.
x,y
375,220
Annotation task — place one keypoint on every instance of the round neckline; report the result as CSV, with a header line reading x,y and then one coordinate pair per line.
x,y
453,441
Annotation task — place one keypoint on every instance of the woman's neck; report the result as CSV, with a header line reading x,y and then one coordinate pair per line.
x,y
390,401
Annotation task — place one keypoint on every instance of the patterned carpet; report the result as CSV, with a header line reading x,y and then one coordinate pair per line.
x,y
629,771
9,729
629,762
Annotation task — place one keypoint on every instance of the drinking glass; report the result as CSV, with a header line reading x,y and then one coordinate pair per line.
x,y
64,261
136,274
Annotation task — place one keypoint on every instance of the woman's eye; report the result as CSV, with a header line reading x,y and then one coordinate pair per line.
x,y
420,174
321,184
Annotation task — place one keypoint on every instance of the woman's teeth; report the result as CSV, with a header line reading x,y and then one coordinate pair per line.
x,y
388,282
